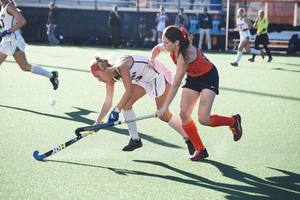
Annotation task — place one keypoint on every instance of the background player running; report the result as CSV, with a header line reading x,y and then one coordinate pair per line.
x,y
13,43
138,79
243,26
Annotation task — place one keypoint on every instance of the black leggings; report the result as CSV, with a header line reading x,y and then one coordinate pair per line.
x,y
264,40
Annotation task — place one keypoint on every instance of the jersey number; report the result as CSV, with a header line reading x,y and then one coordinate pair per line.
x,y
2,24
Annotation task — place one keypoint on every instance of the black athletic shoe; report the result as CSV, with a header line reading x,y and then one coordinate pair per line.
x,y
133,144
191,147
54,80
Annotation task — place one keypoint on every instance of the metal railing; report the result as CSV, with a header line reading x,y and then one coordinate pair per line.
x,y
136,5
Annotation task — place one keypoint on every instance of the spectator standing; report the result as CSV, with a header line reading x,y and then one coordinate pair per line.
x,y
261,24
181,19
114,22
205,26
51,25
161,18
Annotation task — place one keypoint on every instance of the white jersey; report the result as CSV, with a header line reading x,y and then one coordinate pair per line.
x,y
11,42
161,25
7,22
243,25
153,80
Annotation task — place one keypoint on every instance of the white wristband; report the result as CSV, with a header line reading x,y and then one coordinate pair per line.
x,y
117,109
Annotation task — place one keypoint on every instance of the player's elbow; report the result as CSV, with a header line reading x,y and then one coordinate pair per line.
x,y
22,22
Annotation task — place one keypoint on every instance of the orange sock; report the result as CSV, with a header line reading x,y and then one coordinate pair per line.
x,y
217,120
191,131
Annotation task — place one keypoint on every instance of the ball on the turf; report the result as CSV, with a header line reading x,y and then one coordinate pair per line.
x,y
52,102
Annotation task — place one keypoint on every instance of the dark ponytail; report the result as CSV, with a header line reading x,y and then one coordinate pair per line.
x,y
173,33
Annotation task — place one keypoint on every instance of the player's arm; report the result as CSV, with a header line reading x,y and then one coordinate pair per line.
x,y
156,51
157,18
180,72
127,82
255,23
249,23
107,101
11,9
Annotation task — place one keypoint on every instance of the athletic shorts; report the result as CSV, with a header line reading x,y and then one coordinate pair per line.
x,y
245,35
210,81
156,87
9,48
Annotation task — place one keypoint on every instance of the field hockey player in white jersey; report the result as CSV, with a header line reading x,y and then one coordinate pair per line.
x,y
138,77
13,44
243,26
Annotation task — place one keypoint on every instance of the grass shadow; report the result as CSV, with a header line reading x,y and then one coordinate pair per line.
x,y
78,116
249,186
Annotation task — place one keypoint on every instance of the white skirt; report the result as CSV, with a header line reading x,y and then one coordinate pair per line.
x,y
9,48
244,35
157,86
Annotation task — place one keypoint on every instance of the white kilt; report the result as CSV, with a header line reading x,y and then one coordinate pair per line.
x,y
9,47
157,86
244,35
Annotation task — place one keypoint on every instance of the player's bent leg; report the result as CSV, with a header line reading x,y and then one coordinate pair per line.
x,y
188,101
138,92
20,58
135,141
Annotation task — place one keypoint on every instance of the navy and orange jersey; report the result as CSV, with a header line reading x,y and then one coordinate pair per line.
x,y
198,67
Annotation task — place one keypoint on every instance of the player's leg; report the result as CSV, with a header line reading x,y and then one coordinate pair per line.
x,y
20,58
202,33
2,57
208,39
256,45
159,37
265,42
251,50
128,112
239,53
173,120
188,101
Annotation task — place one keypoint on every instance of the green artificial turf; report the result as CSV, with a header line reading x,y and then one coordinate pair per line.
x,y
264,164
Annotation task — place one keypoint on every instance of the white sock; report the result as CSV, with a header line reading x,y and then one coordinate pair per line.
x,y
132,128
176,124
254,51
238,56
35,69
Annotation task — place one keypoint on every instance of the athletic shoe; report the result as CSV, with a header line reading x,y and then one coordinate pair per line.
x,y
199,155
54,80
270,59
262,54
191,147
234,64
133,144
237,127
251,59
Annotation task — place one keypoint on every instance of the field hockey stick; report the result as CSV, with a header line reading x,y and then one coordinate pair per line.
x,y
60,147
223,29
108,124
